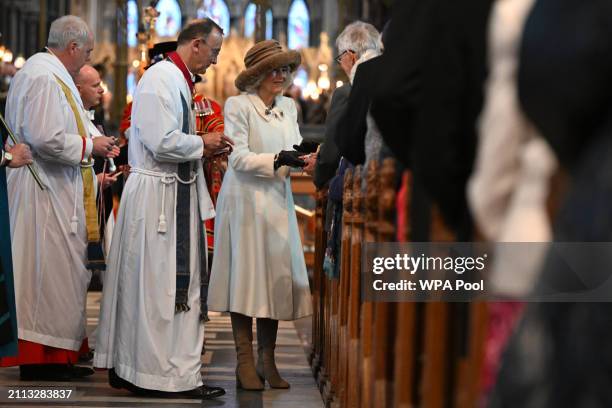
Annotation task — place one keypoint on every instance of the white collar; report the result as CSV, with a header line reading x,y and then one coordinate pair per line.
x,y
193,77
267,113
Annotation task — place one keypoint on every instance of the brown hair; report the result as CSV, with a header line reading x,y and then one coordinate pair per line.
x,y
199,28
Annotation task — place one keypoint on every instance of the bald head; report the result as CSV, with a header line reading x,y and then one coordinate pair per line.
x,y
88,83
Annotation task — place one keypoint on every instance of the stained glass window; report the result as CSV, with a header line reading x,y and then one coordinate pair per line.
x,y
249,21
269,20
218,11
299,25
132,23
169,21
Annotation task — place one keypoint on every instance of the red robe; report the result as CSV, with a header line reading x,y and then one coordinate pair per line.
x,y
209,118
36,353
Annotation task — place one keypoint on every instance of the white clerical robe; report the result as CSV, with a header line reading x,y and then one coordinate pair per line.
x,y
48,260
140,335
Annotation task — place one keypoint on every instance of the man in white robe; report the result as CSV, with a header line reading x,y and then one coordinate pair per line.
x,y
151,330
89,85
49,229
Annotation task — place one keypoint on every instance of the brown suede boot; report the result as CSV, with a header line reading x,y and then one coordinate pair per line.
x,y
266,343
246,376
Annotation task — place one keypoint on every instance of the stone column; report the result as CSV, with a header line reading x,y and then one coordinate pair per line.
x,y
121,64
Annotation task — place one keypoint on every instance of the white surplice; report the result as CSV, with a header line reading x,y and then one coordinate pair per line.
x,y
48,260
140,335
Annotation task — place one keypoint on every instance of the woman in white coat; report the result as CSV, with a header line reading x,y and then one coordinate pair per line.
x,y
258,266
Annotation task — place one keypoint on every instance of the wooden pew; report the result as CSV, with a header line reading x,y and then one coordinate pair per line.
x,y
353,385
318,276
367,308
333,391
344,281
384,312
404,376
389,354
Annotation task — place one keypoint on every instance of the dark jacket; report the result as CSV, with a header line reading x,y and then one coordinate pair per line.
x,y
329,156
429,94
351,137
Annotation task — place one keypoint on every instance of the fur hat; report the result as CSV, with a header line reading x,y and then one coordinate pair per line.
x,y
262,58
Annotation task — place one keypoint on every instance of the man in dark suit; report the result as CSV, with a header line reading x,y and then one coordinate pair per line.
x,y
357,39
328,157
428,96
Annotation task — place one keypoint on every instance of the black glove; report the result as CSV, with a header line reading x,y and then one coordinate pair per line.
x,y
289,158
306,147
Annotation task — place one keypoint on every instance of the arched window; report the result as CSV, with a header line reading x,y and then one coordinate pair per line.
x,y
169,21
249,21
132,23
269,21
299,25
218,11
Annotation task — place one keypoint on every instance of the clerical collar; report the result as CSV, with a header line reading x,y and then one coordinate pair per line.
x,y
178,61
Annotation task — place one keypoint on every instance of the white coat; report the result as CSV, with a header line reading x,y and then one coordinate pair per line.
x,y
140,335
49,261
258,264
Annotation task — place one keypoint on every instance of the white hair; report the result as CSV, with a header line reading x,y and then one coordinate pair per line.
x,y
359,37
66,29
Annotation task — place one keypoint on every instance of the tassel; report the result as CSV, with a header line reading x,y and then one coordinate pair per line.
x,y
181,307
162,224
74,223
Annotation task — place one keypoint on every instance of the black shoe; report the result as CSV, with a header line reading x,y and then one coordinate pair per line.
x,y
203,392
80,372
45,372
119,383
212,392
86,357
115,381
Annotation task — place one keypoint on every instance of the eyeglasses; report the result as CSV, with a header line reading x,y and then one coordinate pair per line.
x,y
339,57
280,71
215,51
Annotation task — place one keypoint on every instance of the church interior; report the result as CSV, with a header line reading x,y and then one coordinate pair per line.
x,y
477,132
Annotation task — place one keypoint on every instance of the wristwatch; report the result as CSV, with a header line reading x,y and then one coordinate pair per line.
x,y
6,159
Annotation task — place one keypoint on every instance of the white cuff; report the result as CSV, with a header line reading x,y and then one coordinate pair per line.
x,y
88,148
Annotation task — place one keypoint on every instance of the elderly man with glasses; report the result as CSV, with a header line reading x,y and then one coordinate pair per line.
x,y
358,41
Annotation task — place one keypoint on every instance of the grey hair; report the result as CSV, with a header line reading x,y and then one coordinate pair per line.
x,y
255,85
359,37
66,29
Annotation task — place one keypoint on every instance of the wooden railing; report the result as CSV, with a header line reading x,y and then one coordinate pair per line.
x,y
383,354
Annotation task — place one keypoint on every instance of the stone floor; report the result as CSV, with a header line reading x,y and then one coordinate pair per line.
x,y
219,364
